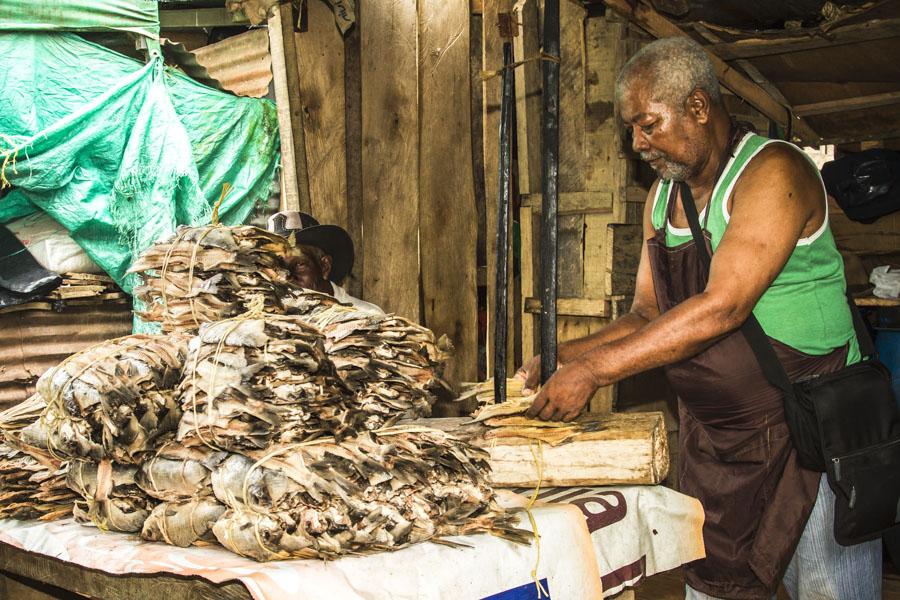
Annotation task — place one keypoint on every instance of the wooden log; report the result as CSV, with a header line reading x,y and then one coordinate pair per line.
x,y
390,152
629,449
447,212
846,104
320,60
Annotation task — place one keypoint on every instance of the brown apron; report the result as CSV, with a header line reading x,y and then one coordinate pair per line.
x,y
736,453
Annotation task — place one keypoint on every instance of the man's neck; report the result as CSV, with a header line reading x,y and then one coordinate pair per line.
x,y
703,182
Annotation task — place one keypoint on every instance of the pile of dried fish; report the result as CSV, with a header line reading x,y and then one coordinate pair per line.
x,y
113,399
110,497
381,491
32,483
393,366
30,489
181,478
211,273
253,381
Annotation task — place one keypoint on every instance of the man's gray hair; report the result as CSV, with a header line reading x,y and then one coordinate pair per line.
x,y
674,67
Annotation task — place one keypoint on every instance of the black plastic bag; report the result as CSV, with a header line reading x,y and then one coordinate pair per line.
x,y
865,184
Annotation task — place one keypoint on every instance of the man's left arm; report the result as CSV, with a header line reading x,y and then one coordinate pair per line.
x,y
774,202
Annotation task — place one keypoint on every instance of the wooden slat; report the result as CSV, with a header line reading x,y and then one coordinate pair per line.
x,y
389,153
528,98
492,60
623,253
573,163
659,26
447,214
575,202
877,29
573,307
845,104
320,59
97,584
530,329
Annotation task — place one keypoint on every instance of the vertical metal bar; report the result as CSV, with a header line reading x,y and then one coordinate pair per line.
x,y
549,188
501,297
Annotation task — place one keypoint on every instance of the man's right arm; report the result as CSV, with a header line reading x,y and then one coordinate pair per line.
x,y
643,309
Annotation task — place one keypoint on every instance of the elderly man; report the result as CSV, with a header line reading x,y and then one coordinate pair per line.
x,y
762,207
322,258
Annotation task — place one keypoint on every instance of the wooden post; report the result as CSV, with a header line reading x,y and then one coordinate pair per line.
x,y
295,178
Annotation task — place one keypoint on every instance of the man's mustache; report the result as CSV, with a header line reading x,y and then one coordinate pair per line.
x,y
650,156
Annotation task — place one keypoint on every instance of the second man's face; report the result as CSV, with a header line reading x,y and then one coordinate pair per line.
x,y
306,271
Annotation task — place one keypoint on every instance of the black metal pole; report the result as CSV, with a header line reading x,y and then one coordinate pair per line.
x,y
549,187
505,189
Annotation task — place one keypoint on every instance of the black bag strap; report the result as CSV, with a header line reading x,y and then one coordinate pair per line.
x,y
753,332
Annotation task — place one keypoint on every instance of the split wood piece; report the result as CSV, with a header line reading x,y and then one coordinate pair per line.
x,y
615,449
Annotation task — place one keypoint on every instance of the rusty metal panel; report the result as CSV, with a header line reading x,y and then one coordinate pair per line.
x,y
241,64
32,341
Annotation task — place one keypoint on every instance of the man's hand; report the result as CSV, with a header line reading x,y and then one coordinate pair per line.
x,y
565,394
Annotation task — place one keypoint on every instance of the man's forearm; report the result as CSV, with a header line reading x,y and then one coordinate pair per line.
x,y
625,325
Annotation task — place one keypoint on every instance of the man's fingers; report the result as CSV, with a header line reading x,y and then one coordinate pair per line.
x,y
537,406
546,413
571,415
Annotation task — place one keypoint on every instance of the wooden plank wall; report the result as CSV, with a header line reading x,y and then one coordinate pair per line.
x,y
447,213
386,115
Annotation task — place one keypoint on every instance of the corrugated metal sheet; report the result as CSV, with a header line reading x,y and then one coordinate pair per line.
x,y
32,341
241,64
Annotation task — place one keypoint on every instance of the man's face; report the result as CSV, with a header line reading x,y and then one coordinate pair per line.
x,y
309,271
666,137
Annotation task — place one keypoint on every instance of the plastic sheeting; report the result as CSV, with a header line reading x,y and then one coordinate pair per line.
x,y
139,16
119,152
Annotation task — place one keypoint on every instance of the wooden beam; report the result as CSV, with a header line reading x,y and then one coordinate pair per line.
x,y
877,29
390,152
447,212
861,137
573,307
660,27
286,79
844,104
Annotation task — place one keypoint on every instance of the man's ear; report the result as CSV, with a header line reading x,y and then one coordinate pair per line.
x,y
698,106
326,266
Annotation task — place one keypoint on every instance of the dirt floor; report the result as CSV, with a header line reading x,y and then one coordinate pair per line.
x,y
670,586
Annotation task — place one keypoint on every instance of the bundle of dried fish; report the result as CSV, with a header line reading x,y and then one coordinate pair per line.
x,y
380,491
211,273
393,366
183,522
110,497
113,399
30,489
253,381
181,478
22,430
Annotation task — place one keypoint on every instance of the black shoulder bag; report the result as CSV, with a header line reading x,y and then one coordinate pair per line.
x,y
845,423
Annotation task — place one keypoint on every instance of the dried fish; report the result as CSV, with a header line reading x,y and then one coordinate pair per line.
x,y
211,273
183,523
253,381
393,366
110,497
113,399
380,491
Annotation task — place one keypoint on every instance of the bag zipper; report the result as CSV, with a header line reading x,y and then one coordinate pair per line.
x,y
836,461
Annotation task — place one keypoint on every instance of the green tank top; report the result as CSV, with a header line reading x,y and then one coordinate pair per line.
x,y
805,307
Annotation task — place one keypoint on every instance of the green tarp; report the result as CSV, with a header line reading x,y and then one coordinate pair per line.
x,y
139,16
121,152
